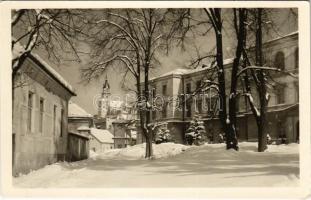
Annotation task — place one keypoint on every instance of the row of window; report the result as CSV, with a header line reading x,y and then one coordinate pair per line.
x,y
211,104
30,115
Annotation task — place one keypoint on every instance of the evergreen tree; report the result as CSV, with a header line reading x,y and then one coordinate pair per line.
x,y
195,132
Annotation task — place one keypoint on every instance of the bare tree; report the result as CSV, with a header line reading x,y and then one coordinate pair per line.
x,y
133,38
228,122
52,30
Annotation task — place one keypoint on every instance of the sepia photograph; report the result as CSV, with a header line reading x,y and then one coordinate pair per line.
x,y
157,97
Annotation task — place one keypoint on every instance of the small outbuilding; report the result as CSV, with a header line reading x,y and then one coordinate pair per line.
x,y
78,146
100,140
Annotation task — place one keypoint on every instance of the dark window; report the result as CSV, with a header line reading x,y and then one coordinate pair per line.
x,y
198,84
296,58
188,88
164,109
30,108
62,123
41,115
164,90
188,100
280,94
279,61
54,118
237,103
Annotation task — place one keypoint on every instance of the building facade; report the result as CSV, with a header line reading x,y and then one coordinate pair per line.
x,y
283,106
40,108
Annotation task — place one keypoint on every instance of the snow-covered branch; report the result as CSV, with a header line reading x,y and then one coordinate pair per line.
x,y
257,67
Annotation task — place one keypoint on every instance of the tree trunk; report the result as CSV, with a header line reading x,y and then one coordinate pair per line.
x,y
262,134
221,74
232,141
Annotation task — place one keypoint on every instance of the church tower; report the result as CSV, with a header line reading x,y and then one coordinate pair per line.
x,y
104,100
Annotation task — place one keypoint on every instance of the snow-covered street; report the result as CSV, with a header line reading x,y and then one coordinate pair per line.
x,y
175,166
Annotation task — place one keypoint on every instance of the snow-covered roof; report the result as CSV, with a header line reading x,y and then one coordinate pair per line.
x,y
284,36
79,134
76,111
179,71
83,128
183,71
103,136
19,49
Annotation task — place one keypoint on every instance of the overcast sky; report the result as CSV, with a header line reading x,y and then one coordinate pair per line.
x,y
176,59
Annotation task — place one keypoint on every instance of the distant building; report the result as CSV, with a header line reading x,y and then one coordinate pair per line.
x,y
100,140
40,108
282,111
123,135
77,117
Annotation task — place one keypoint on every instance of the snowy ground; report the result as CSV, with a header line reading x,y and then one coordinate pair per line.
x,y
176,166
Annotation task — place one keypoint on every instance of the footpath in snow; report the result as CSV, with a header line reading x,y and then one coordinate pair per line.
x,y
175,165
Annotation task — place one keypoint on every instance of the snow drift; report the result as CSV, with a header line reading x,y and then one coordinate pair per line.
x,y
163,150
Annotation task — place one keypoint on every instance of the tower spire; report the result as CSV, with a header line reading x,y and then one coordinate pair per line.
x,y
104,100
106,87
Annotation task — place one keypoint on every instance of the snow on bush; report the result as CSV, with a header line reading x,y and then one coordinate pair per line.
x,y
138,151
195,131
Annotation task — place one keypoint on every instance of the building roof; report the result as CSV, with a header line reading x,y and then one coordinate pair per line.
x,y
83,128
103,136
76,111
178,71
79,134
19,49
183,71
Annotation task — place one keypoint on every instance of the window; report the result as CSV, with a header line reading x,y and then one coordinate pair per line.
x,y
198,84
41,115
296,58
211,104
280,94
30,108
188,102
188,88
199,96
237,103
164,90
154,113
54,119
164,109
279,61
62,123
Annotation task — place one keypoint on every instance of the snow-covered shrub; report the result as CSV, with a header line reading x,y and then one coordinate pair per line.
x,y
195,132
163,135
